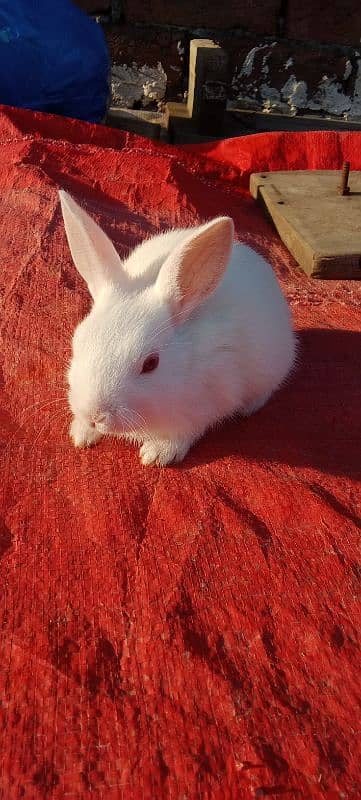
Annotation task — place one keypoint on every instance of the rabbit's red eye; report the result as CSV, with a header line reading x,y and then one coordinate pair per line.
x,y
150,363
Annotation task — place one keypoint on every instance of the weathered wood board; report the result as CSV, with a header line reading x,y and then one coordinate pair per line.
x,y
321,228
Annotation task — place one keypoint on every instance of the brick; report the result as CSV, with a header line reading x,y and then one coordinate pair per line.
x,y
129,44
260,18
324,21
93,6
286,77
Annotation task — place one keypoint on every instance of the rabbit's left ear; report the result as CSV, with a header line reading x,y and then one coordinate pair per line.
x,y
194,269
94,255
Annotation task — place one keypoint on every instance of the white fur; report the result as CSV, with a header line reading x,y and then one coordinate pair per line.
x,y
214,313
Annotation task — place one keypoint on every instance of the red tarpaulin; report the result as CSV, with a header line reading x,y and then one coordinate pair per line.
x,y
189,632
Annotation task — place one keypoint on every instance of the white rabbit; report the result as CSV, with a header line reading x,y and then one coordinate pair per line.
x,y
185,332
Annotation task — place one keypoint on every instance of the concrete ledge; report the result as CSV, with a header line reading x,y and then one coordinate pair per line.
x,y
261,122
237,122
144,123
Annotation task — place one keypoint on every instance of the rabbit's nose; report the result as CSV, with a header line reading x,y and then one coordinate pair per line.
x,y
98,419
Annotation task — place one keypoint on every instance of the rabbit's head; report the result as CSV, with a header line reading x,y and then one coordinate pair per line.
x,y
134,353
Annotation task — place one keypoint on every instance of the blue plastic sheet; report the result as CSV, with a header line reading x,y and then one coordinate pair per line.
x,y
53,58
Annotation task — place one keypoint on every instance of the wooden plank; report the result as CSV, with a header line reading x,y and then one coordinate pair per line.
x,y
321,228
207,91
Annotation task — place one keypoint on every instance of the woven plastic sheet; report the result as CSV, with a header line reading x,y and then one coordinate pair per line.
x,y
189,632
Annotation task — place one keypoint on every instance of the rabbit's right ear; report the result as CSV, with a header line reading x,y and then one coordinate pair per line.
x,y
94,255
194,269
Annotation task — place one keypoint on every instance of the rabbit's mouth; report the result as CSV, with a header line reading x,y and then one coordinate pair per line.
x,y
104,422
121,424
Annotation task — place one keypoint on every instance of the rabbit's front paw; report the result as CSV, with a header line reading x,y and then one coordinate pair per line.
x,y
82,434
163,451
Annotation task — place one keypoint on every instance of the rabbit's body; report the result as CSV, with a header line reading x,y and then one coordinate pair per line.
x,y
222,335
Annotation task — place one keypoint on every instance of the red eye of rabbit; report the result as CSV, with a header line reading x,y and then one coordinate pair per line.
x,y
150,363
